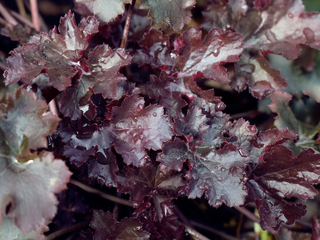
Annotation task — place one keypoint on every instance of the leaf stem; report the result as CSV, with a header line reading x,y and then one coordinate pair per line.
x,y
212,230
7,15
21,18
66,230
101,194
35,15
127,25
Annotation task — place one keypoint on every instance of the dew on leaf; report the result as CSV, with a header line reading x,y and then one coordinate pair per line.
x,y
135,119
242,152
139,126
252,128
219,178
244,7
154,114
290,15
220,106
149,115
140,106
248,68
162,155
271,36
309,34
223,169
216,52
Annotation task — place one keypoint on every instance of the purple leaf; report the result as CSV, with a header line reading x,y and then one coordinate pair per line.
x,y
107,228
54,54
138,128
280,175
207,56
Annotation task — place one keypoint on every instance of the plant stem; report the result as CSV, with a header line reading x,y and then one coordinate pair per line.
x,y
214,231
21,18
7,15
35,15
127,25
21,8
101,194
67,230
251,216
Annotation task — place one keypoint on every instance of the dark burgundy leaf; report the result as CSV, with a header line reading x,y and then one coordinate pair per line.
x,y
160,89
138,128
156,50
207,56
273,209
220,175
173,155
281,175
107,228
104,168
102,76
55,54
167,228
151,183
192,127
262,31
253,70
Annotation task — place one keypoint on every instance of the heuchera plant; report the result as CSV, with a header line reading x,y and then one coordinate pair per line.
x,y
133,116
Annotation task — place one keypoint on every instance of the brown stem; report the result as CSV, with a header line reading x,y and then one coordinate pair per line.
x,y
101,194
127,25
214,231
66,230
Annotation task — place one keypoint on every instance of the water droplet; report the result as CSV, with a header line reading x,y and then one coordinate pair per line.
x,y
216,167
172,55
149,116
228,26
309,34
154,114
248,68
216,52
242,152
290,15
140,136
220,106
271,36
139,126
252,128
223,169
219,179
140,106
135,119
162,155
